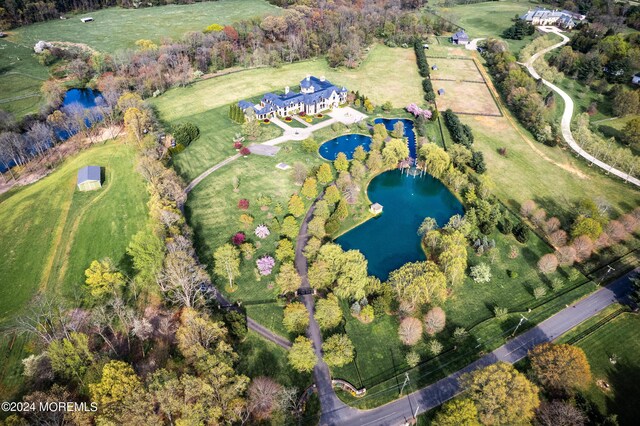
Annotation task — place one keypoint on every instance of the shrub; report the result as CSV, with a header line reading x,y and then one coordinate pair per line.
x,y
412,359
238,238
244,151
435,347
539,292
481,273
186,133
243,204
265,265
557,283
309,145
512,274
460,334
262,231
367,314
500,313
521,232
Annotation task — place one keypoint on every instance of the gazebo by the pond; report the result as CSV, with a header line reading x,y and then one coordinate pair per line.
x,y
89,178
375,208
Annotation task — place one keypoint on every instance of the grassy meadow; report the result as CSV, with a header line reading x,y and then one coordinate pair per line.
x,y
116,28
50,232
617,337
488,19
371,78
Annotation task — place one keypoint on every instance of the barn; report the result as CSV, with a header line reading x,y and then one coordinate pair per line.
x,y
89,178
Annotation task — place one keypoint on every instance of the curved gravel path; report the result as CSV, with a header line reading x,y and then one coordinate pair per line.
x,y
567,115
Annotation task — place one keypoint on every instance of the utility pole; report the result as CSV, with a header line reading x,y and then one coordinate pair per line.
x,y
406,380
522,319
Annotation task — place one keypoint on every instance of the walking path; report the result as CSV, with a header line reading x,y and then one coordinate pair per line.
x,y
345,115
567,115
403,410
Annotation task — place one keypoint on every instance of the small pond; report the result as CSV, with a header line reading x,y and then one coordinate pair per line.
x,y
390,240
408,131
346,143
87,98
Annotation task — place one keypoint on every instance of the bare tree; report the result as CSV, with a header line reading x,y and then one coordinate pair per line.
x,y
181,277
566,255
45,320
558,238
143,330
410,331
548,263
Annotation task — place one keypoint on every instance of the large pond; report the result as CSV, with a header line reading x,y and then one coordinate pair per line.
x,y
408,131
390,240
346,143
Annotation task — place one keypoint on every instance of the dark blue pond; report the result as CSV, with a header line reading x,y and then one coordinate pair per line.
x,y
408,131
346,143
390,240
76,101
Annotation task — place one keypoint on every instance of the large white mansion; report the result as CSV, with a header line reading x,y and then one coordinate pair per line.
x,y
316,95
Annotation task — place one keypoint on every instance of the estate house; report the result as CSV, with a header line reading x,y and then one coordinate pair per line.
x,y
316,95
560,18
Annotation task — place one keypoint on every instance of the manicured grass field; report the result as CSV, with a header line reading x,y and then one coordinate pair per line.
x,y
20,78
465,98
116,28
212,209
460,68
488,19
50,232
371,78
619,337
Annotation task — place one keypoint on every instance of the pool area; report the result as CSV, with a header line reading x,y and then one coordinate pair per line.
x,y
390,240
345,143
408,132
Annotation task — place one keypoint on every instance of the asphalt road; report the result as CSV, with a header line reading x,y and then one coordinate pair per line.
x,y
400,411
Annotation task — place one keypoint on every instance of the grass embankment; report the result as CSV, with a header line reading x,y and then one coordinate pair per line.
x,y
618,337
50,233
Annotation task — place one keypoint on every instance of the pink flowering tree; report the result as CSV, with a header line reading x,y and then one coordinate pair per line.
x,y
238,238
262,231
417,111
265,265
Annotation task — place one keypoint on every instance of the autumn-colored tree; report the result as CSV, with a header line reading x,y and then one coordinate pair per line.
x,y
417,283
296,317
328,312
296,205
434,320
457,412
70,357
552,225
501,394
103,279
316,227
289,227
226,260
288,280
284,251
586,226
301,355
332,194
558,238
338,350
410,331
310,188
360,154
342,211
548,263
616,231
136,121
246,220
324,174
374,161
566,255
453,256
527,208
341,163
560,369
117,386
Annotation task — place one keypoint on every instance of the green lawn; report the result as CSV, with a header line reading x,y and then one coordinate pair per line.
x,y
620,337
488,19
21,76
118,29
50,233
212,210
371,78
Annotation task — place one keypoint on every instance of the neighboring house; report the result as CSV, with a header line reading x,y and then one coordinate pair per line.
x,y
636,79
87,19
560,18
316,95
460,38
89,178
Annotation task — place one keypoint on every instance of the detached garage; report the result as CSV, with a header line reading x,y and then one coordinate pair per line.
x,y
89,178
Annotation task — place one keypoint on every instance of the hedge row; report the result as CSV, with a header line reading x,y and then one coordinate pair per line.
x,y
423,69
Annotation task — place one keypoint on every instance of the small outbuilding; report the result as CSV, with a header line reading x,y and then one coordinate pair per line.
x,y
636,78
434,67
375,208
87,19
89,178
460,38
440,92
